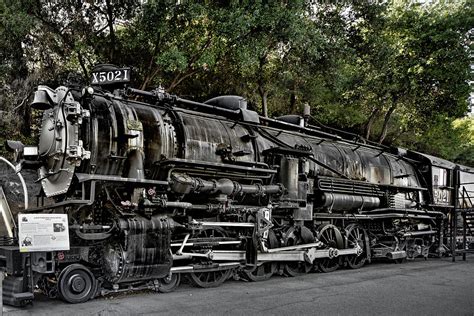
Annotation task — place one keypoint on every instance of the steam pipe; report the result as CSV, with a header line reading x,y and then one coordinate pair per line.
x,y
184,184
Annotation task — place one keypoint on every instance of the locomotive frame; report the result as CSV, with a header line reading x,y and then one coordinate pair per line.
x,y
164,187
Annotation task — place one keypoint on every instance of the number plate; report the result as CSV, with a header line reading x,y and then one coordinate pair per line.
x,y
111,76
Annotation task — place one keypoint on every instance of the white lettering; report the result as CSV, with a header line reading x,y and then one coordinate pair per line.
x,y
95,78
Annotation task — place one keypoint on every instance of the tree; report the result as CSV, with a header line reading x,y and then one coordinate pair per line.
x,y
395,73
415,65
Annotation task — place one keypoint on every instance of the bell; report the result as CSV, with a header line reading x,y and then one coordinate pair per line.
x,y
41,101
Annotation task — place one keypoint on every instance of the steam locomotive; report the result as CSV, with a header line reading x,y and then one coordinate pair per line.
x,y
157,188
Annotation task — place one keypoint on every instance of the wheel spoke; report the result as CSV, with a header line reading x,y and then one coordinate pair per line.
x,y
355,237
330,235
209,279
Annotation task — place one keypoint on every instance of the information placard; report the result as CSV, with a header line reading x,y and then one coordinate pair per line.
x,y
43,232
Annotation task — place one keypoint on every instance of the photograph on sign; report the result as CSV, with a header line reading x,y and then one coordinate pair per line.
x,y
43,232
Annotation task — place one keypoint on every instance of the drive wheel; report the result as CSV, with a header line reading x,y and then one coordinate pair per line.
x,y
355,237
265,270
169,283
76,284
209,279
294,237
332,238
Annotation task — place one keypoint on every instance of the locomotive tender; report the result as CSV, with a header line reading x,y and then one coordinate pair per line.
x,y
164,187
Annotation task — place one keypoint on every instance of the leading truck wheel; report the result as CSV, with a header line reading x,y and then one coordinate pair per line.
x,y
169,283
76,284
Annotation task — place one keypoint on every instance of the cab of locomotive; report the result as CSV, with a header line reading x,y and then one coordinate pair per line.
x,y
439,178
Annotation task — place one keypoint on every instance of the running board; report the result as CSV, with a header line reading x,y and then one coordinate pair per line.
x,y
308,255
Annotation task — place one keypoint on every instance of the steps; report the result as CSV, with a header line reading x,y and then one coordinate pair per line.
x,y
462,238
470,220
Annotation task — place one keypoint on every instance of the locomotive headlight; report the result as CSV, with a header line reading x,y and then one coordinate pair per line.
x,y
87,90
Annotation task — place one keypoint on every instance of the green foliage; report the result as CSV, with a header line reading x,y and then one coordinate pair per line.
x,y
466,148
394,72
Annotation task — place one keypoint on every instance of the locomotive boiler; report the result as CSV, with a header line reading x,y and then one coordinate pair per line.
x,y
156,188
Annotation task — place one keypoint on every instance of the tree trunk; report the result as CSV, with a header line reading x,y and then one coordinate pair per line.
x,y
386,120
179,78
149,78
261,85
370,122
264,96
293,99
83,65
110,22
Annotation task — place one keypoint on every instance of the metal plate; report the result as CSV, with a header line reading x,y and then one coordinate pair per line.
x,y
118,75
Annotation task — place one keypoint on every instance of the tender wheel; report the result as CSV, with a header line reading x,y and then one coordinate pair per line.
x,y
265,270
169,283
355,236
76,284
209,279
332,238
294,236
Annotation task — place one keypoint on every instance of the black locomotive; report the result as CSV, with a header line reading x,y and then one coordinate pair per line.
x,y
157,187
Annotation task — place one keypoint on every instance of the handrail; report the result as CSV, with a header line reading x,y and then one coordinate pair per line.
x,y
23,184
465,196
